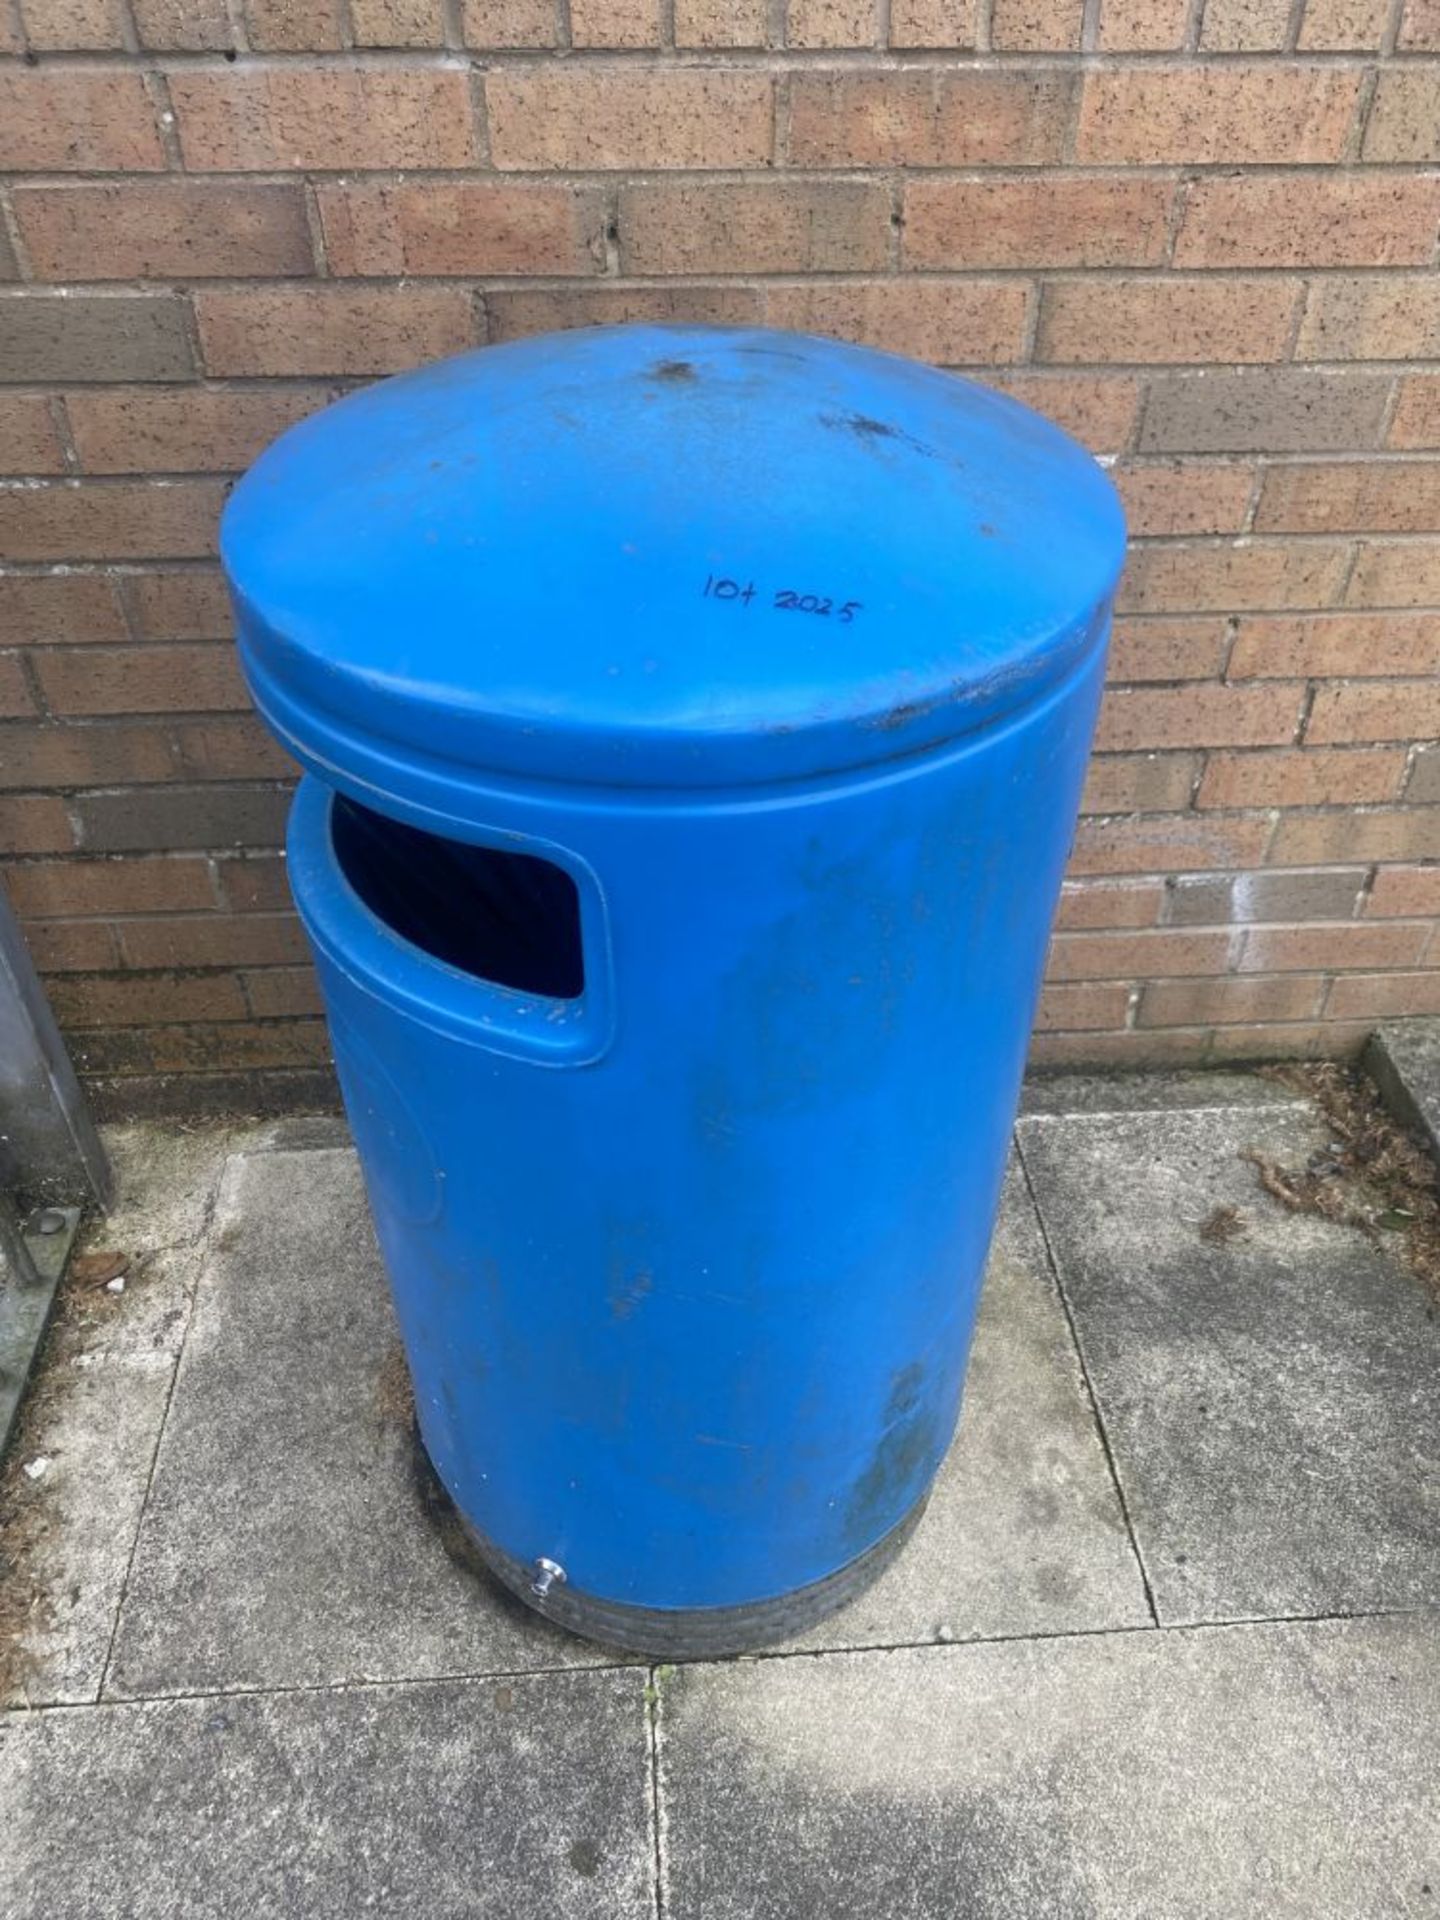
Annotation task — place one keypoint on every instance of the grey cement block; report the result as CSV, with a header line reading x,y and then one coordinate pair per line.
x,y
1273,1402
1023,1532
1403,1058
1271,409
131,336
285,1542
420,1802
1280,1770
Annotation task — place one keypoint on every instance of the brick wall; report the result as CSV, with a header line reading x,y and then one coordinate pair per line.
x,y
1202,236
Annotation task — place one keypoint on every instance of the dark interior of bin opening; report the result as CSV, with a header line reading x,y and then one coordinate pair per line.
x,y
504,917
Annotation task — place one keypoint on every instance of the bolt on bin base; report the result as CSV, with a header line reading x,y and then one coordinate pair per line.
x,y
673,1633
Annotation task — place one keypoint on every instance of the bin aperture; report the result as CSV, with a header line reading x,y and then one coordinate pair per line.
x,y
686,1263
509,918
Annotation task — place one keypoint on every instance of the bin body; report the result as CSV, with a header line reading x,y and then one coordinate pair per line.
x,y
686,1229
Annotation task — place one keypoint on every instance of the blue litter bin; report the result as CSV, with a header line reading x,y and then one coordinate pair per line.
x,y
695,722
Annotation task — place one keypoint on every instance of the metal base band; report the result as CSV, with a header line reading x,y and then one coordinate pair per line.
x,y
671,1633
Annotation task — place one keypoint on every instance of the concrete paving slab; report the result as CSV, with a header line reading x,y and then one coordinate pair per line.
x,y
1024,1532
1220,1774
1403,1057
285,1542
477,1799
1272,1400
73,1486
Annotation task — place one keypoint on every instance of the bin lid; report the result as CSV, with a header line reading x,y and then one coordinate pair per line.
x,y
663,555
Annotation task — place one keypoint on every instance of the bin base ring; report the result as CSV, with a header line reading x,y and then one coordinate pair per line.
x,y
675,1633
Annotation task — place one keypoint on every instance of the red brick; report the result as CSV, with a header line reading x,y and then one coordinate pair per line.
x,y
1416,419
620,116
1137,956
63,889
722,23
1143,26
934,23
1204,1003
1383,996
331,330
1167,321
113,520
182,429
1139,782
188,26
1082,1008
1058,220
1331,26
77,120
1168,649
212,940
159,230
928,117
770,226
516,312
1384,710
1300,1040
254,883
188,605
1164,578
1355,645
955,323
58,606
1326,949
1380,316
510,23
1398,893
70,756
293,26
1099,409
29,443
15,700
234,748
1185,497
1239,26
615,23
1399,574
243,119
241,1048
1305,777
1350,833
1420,27
1036,26
1404,119
1167,843
1051,1052
1393,497
1126,903
142,1000
34,823
1218,115
461,227
832,23
282,992
398,23
89,26
179,679
1309,220
1198,716
70,946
